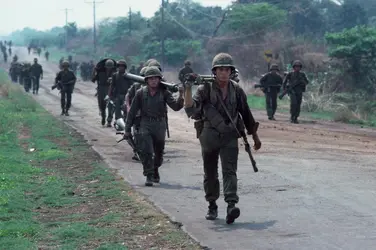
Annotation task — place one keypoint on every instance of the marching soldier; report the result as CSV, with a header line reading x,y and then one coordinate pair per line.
x,y
37,74
216,106
185,70
66,80
271,84
47,55
151,101
297,82
26,76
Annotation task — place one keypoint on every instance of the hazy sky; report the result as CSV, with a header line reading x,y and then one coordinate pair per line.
x,y
44,14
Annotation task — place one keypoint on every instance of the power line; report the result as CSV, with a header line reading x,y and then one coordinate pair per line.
x,y
163,34
94,2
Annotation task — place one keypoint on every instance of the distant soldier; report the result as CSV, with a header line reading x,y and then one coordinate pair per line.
x,y
10,51
15,58
235,76
5,56
15,71
66,81
47,55
133,70
118,89
70,59
75,67
26,76
151,101
128,99
140,68
29,49
102,77
39,51
37,74
184,71
297,82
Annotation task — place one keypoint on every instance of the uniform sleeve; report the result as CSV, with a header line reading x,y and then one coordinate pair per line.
x,y
176,104
135,107
198,99
245,112
263,79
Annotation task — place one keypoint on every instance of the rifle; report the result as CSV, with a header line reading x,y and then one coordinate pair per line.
x,y
167,128
290,87
131,143
59,85
171,86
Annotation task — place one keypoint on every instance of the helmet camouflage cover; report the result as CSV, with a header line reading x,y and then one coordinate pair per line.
x,y
109,63
152,71
122,62
187,63
149,61
274,67
297,63
65,63
223,60
155,63
142,71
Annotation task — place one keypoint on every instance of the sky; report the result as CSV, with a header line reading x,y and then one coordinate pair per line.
x,y
45,14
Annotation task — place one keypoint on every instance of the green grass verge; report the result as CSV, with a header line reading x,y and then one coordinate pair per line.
x,y
258,102
55,192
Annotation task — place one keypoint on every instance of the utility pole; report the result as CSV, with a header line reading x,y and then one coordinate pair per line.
x,y
94,2
66,25
130,20
163,34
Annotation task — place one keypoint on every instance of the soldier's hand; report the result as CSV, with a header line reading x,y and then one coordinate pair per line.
x,y
257,141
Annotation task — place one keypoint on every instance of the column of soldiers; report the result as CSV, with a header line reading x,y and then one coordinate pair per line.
x,y
6,52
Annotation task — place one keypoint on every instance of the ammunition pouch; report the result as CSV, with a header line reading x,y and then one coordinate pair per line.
x,y
199,126
216,119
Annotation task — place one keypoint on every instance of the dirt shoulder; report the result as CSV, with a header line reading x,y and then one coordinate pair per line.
x,y
56,192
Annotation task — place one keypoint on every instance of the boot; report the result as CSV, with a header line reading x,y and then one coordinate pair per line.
x,y
66,113
109,125
232,213
212,211
296,120
103,122
149,181
62,112
292,119
156,177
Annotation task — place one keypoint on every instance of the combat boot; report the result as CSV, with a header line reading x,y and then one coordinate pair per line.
x,y
103,121
233,213
296,120
156,177
212,211
149,181
62,112
66,113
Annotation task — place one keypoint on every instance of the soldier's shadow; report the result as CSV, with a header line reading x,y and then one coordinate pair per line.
x,y
175,186
221,226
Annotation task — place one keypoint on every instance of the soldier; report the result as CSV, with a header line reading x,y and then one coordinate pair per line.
x,y
185,70
66,79
26,76
133,70
5,55
297,82
47,55
271,84
212,105
37,74
14,70
39,51
10,51
29,49
102,79
140,68
119,88
151,101
235,76
128,99
15,58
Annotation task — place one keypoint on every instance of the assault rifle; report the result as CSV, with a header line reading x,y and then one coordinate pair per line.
x,y
298,81
170,86
130,141
59,85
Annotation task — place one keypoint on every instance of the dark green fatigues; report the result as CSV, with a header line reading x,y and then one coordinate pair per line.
x,y
271,83
183,71
119,89
36,72
296,87
218,138
102,91
152,130
137,120
15,71
67,80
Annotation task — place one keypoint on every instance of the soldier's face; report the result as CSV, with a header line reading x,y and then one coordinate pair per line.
x,y
153,81
223,73
297,68
121,68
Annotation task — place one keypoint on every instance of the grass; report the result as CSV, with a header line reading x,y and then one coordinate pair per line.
x,y
55,192
258,102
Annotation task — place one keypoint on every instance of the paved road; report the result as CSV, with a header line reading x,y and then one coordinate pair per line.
x,y
315,189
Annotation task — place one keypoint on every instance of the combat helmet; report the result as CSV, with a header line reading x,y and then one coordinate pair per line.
x,y
142,71
153,71
122,62
223,60
65,63
109,64
297,63
155,63
274,67
187,63
149,61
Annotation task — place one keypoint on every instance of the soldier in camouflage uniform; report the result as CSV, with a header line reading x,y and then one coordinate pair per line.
x,y
217,135
37,73
271,84
129,98
297,82
119,88
184,71
66,80
151,101
102,79
47,55
15,71
26,76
